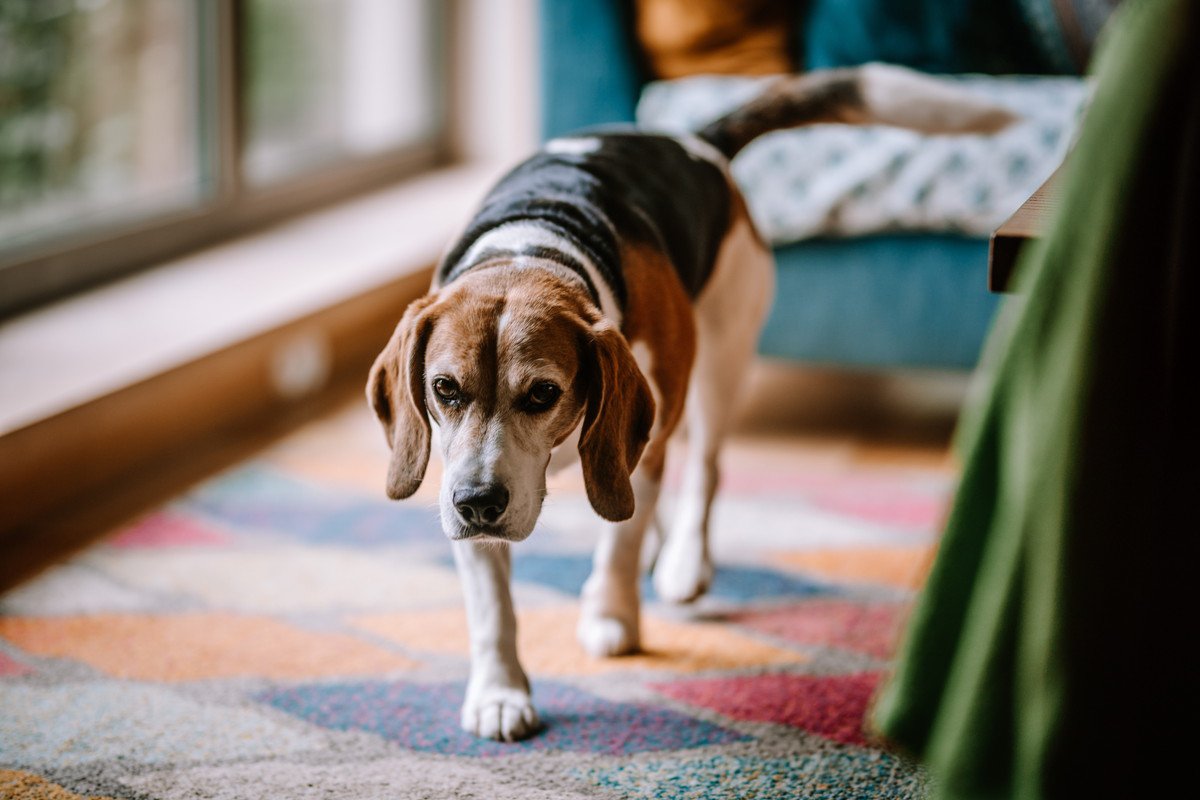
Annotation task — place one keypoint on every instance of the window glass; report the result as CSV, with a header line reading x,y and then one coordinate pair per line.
x,y
132,131
99,113
328,80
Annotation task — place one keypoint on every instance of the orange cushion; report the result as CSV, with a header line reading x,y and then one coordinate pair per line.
x,y
722,37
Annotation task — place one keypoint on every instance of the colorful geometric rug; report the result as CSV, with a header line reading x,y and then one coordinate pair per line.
x,y
283,631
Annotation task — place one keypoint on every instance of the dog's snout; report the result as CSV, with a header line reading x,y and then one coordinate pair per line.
x,y
481,505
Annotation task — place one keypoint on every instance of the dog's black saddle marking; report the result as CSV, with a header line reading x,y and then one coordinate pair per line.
x,y
632,186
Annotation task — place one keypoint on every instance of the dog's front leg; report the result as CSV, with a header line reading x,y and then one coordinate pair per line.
x,y
609,620
498,705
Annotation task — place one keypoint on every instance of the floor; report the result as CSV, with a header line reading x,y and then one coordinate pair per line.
x,y
280,629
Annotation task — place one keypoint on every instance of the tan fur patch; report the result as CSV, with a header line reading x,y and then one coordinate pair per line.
x,y
659,313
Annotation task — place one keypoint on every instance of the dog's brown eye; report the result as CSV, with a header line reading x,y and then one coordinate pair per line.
x,y
446,390
542,396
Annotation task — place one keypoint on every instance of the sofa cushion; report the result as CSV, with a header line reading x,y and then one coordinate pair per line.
x,y
954,36
717,37
591,69
917,300
837,180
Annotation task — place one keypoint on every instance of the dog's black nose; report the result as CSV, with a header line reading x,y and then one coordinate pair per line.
x,y
481,505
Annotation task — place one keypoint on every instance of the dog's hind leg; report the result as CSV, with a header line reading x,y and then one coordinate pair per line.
x,y
498,704
729,316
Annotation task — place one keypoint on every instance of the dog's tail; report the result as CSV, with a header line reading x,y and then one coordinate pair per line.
x,y
873,94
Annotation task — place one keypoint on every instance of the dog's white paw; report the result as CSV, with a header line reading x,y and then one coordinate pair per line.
x,y
499,713
604,636
682,573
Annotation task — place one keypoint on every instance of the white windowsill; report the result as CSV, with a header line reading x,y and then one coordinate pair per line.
x,y
66,354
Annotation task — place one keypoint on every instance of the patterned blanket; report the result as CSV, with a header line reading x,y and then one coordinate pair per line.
x,y
837,180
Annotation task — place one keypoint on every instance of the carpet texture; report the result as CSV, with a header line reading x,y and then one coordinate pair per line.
x,y
284,631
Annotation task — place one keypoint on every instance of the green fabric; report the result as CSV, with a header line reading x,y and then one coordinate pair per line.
x,y
1052,651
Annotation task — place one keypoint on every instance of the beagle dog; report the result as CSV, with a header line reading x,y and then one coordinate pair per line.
x,y
608,287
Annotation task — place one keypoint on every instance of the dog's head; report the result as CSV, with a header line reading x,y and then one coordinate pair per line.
x,y
507,364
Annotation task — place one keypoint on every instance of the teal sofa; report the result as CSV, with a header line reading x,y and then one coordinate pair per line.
x,y
890,301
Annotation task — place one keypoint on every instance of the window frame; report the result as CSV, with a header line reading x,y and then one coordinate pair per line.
x,y
50,268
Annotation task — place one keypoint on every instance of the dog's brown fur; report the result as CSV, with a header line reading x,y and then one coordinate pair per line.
x,y
660,316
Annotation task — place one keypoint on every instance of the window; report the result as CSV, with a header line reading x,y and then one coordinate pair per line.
x,y
326,79
132,130
98,122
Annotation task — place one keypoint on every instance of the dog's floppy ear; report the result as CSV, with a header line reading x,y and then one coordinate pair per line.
x,y
616,423
396,391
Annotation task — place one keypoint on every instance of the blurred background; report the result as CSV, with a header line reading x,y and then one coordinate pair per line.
x,y
120,116
96,115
